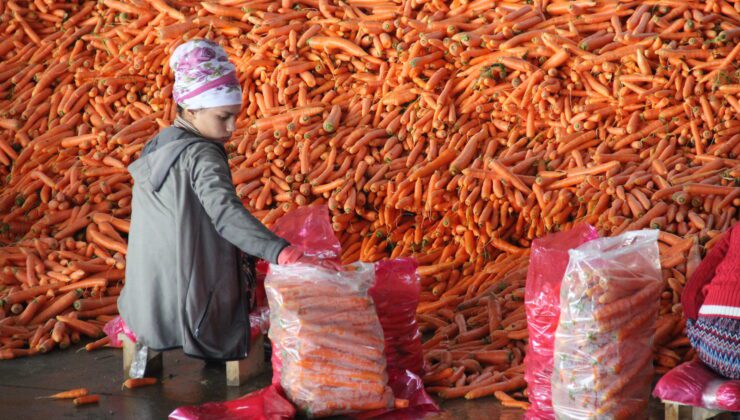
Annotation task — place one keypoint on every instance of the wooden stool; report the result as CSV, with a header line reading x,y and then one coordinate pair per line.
x,y
672,410
130,349
238,372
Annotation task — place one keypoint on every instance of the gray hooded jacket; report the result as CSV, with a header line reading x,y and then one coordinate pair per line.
x,y
184,287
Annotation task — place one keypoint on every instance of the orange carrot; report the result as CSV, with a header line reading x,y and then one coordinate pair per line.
x,y
139,382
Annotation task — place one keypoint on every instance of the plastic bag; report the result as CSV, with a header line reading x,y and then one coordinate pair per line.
x,y
694,384
309,229
324,326
396,296
265,404
114,327
547,263
408,386
603,360
259,321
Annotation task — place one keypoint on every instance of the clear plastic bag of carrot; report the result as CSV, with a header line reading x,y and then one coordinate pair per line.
x,y
603,360
326,332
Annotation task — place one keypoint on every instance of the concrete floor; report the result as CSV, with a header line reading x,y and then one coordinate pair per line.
x,y
185,381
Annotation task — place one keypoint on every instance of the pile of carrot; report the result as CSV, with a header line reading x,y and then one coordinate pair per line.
x,y
452,131
329,340
479,333
603,359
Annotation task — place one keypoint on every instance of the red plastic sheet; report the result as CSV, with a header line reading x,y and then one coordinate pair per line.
x,y
547,263
265,404
694,384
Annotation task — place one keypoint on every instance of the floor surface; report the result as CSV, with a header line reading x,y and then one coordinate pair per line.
x,y
185,381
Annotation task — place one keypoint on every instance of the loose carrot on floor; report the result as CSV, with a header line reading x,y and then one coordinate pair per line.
x,y
88,399
138,382
71,394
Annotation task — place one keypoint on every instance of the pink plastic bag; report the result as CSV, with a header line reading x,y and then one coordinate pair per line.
x,y
694,384
309,228
114,327
259,321
547,264
265,404
396,296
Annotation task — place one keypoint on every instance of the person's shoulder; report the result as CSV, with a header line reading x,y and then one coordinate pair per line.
x,y
201,151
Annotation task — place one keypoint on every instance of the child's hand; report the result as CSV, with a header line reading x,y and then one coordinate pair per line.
x,y
289,255
324,263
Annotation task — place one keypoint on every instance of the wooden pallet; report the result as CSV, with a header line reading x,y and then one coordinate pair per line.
x,y
673,409
238,372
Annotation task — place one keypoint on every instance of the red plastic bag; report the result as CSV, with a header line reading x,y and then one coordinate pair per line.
x,y
694,384
309,229
114,327
547,263
265,404
396,296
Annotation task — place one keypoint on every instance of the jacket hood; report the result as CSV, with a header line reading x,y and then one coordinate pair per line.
x,y
160,154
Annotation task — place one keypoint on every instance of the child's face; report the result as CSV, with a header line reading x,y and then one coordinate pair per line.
x,y
216,124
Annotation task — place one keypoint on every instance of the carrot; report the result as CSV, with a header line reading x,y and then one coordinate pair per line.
x,y
332,120
511,384
325,42
97,344
94,303
81,326
57,307
88,399
138,382
71,394
443,159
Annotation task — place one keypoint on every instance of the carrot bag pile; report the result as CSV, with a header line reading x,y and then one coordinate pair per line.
x,y
603,357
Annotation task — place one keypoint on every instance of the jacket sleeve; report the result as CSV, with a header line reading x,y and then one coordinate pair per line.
x,y
693,294
211,180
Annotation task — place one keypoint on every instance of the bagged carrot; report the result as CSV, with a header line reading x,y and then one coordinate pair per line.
x,y
326,332
603,359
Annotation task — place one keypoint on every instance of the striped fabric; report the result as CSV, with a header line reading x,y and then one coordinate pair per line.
x,y
717,342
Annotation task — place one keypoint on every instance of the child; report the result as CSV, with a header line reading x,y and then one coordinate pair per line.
x,y
188,282
711,301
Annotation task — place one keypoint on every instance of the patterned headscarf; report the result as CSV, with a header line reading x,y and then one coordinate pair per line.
x,y
204,76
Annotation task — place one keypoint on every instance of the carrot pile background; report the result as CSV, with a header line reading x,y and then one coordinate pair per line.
x,y
449,130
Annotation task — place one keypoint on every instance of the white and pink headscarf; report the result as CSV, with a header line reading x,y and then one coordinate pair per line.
x,y
204,76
